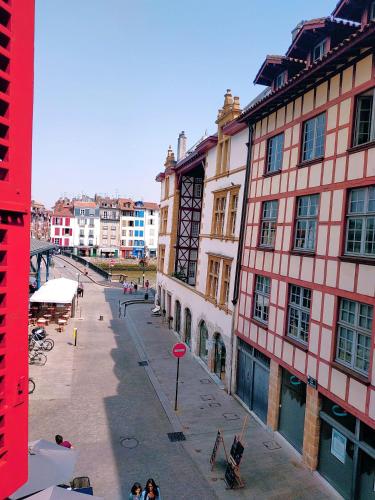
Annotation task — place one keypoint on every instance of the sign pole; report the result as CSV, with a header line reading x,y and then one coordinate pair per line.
x,y
178,371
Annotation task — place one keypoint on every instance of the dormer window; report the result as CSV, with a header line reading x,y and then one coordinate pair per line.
x,y
319,50
372,11
280,80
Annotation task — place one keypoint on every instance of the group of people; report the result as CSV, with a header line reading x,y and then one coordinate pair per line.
x,y
150,492
133,286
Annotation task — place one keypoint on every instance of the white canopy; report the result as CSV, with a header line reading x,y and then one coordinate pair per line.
x,y
58,291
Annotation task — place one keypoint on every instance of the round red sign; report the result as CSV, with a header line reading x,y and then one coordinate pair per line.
x,y
179,350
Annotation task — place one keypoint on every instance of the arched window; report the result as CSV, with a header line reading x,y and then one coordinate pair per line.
x,y
203,338
220,356
177,317
187,327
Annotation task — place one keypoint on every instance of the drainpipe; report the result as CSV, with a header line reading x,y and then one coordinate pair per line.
x,y
240,246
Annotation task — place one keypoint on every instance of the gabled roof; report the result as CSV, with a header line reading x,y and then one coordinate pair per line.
x,y
63,212
150,205
350,47
311,32
85,204
349,9
274,65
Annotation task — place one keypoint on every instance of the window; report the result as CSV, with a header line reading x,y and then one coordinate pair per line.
x,y
275,153
262,298
105,214
81,242
225,283
213,277
82,211
177,317
91,234
280,80
57,241
141,234
151,212
319,50
164,220
306,221
268,224
131,223
151,242
136,223
364,118
354,335
360,224
136,233
141,223
82,233
232,216
104,241
222,158
161,258
131,232
151,222
313,137
218,218
299,313
203,342
123,232
166,188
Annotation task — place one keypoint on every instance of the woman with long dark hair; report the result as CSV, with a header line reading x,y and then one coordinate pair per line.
x,y
135,492
151,491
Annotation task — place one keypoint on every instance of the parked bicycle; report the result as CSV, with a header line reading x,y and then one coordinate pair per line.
x,y
31,385
38,340
37,357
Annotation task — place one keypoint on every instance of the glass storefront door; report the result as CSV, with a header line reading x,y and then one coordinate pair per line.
x,y
292,411
347,453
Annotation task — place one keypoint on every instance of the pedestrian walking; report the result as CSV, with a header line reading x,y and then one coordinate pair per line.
x,y
135,287
151,491
125,286
60,441
147,284
135,492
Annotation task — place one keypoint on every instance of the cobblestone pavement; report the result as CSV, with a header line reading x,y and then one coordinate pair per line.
x,y
118,413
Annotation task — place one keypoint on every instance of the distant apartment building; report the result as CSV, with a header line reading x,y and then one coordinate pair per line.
x,y
200,215
40,221
139,228
109,239
86,228
62,225
305,326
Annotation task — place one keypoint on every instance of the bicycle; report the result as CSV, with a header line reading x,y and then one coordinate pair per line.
x,y
43,344
37,358
31,385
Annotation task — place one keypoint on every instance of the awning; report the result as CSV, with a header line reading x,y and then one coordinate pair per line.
x,y
58,291
49,465
56,493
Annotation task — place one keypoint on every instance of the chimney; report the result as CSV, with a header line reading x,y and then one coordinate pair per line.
x,y
297,29
181,146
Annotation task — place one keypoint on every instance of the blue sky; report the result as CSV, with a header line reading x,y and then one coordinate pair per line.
x,y
116,81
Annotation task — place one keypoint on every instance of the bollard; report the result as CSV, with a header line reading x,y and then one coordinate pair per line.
x,y
75,336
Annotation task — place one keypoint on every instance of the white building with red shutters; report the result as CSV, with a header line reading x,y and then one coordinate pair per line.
x,y
62,226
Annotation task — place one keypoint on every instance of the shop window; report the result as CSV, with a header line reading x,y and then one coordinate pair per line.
x,y
275,153
306,222
299,313
364,118
313,137
177,317
360,224
262,298
268,224
203,340
354,335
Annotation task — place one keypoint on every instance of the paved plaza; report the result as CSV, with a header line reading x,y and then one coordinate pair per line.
x,y
118,414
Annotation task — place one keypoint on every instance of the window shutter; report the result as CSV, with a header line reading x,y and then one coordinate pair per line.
x,y
57,231
67,221
71,231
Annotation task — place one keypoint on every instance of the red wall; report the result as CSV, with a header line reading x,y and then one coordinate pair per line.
x,y
16,98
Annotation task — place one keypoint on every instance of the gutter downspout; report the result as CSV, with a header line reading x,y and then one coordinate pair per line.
x,y
240,247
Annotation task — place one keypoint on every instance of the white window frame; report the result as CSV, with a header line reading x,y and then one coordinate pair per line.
x,y
356,329
321,46
301,314
311,220
364,217
268,225
262,294
368,93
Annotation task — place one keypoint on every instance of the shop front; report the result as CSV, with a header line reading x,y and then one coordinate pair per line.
x,y
346,452
253,378
292,409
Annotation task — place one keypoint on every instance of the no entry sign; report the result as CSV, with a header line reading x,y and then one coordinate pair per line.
x,y
179,350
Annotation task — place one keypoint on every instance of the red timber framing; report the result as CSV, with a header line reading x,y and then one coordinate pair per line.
x,y
16,97
326,271
191,192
